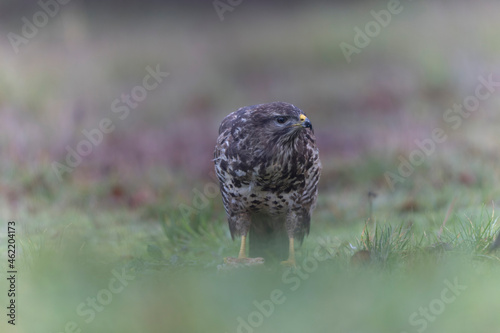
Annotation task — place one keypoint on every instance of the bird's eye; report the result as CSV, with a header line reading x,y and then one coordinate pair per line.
x,y
281,120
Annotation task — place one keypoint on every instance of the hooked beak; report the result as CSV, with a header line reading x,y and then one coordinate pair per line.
x,y
304,122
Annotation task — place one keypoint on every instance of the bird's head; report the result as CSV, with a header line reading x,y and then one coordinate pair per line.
x,y
280,121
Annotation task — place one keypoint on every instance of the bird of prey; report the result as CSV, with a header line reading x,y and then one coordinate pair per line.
x,y
268,166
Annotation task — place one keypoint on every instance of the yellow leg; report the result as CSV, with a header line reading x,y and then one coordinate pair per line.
x,y
291,255
242,259
242,254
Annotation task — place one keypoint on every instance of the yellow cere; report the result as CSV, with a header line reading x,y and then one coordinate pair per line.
x,y
302,117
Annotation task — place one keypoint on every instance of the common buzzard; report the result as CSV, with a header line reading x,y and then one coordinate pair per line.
x,y
268,167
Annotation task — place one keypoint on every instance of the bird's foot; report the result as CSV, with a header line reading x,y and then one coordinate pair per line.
x,y
289,263
239,262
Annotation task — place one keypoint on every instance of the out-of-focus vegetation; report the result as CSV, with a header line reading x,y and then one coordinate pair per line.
x,y
143,203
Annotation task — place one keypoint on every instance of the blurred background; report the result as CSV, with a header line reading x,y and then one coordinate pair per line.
x,y
70,69
377,101
65,77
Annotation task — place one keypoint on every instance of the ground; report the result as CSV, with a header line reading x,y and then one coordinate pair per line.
x,y
133,238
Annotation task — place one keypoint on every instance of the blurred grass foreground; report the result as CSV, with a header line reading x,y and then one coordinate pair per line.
x,y
108,118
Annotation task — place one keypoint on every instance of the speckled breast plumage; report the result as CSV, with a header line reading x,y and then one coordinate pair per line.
x,y
265,172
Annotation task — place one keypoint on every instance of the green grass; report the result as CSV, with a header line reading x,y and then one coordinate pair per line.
x,y
372,273
68,256
357,273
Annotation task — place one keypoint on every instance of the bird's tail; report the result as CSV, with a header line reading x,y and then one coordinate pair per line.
x,y
268,239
